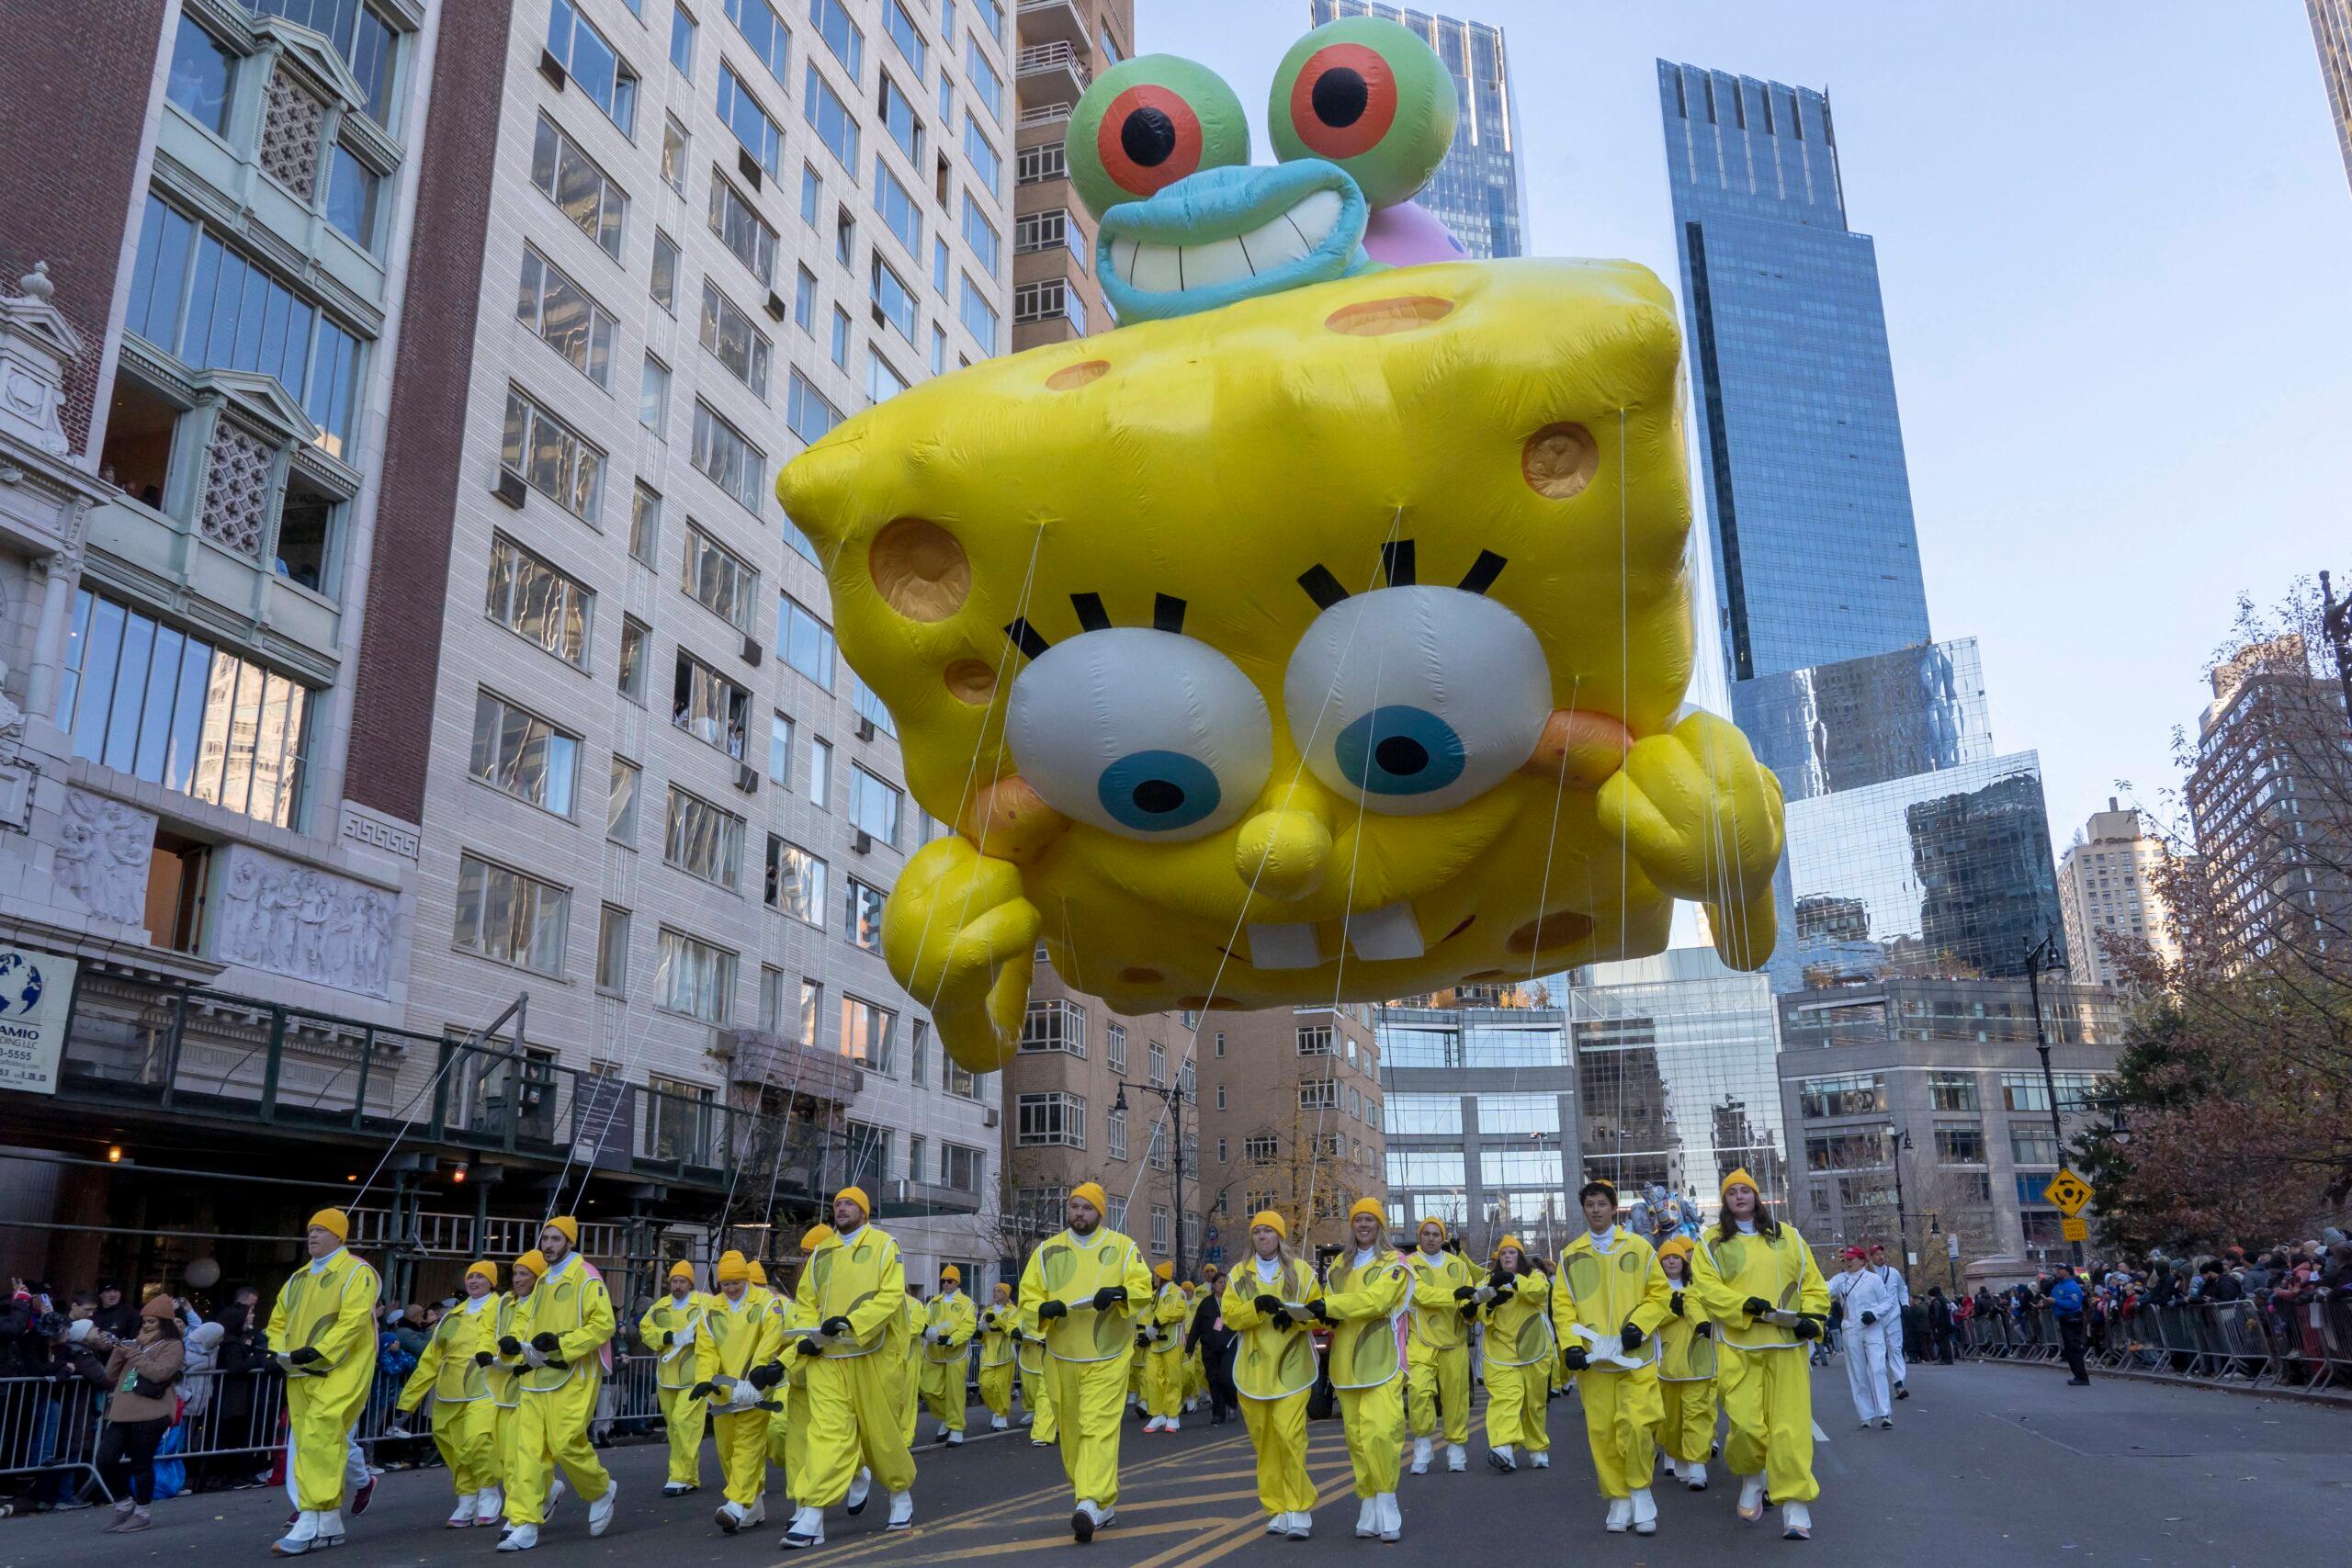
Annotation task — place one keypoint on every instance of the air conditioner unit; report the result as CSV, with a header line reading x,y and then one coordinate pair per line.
x,y
752,651
747,779
749,165
991,1117
862,842
551,68
776,305
510,487
865,728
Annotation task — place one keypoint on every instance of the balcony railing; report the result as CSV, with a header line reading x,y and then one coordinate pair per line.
x,y
1043,114
1046,59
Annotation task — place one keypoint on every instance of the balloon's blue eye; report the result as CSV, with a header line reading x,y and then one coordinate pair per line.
x,y
1158,790
1400,750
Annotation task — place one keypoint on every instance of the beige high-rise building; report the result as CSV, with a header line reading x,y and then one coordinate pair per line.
x,y
2332,31
1290,1120
2107,889
1065,44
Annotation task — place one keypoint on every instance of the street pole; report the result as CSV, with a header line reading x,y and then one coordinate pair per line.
x,y
2037,956
1902,1213
1176,1116
2332,623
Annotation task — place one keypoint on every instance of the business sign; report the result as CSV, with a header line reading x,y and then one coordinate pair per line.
x,y
35,990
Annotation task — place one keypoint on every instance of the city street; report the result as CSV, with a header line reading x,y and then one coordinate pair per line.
x,y
1989,1465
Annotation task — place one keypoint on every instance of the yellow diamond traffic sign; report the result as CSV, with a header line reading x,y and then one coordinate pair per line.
x,y
2069,1191
2073,1229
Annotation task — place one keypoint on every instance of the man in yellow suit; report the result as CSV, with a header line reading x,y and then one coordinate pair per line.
x,y
1161,1342
999,1323
1609,1300
563,1336
1036,1381
855,1286
1758,1282
735,1365
1365,1292
454,1369
669,1330
948,1324
323,1334
1090,1284
506,1378
911,1322
1437,1346
794,1314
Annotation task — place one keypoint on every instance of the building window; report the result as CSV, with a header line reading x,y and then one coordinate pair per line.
x,y
1158,1155
519,752
1115,1049
536,602
741,113
1050,230
573,181
620,802
804,302
654,396
895,205
806,412
1850,1151
1848,1094
352,191
163,706
898,120
986,85
681,1126
865,1033
201,72
682,41
765,32
695,978
874,806
595,67
2033,1146
780,751
829,116
988,165
812,194
900,23
734,464
841,337
947,97
863,922
1117,1133
795,882
1959,1143
566,318
868,1156
1051,1118
1156,1063
664,278
701,839
1054,300
978,316
743,230
806,642
1951,1091
960,1167
870,706
820,772
1262,1150
645,523
709,706
883,381
841,35
1035,164
1314,1041
2024,1092
895,302
956,1081
1055,1025
1319,1094
733,341
631,674
675,147
720,581
552,457
987,247
611,952
511,917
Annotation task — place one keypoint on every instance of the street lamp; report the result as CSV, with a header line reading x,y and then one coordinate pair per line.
x,y
1902,1213
2043,955
1173,1096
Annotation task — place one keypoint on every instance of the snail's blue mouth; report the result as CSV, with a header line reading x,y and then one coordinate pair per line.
x,y
1228,234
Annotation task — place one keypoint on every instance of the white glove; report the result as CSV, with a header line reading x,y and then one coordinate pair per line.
x,y
534,1356
931,1336
1485,1292
743,1396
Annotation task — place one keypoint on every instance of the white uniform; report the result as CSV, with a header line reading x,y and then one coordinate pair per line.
x,y
1902,1288
1865,1291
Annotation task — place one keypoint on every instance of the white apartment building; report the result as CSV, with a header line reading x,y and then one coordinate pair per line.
x,y
2107,885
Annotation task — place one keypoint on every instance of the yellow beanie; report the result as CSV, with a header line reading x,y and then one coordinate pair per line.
x,y
1741,1178
951,1275
1675,1246
1432,1219
816,1236
1372,1206
758,1272
682,1269
1092,1192
567,1226
333,1220
1163,1272
535,1261
1511,1242
732,1268
486,1269
1271,1221
857,1196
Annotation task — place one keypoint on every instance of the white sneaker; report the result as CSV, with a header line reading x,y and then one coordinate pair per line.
x,y
461,1517
1621,1515
1751,1496
758,1516
1501,1458
1694,1475
600,1512
487,1504
902,1510
998,1424
732,1517
556,1489
1157,1424
955,1440
1278,1525
296,1540
807,1528
521,1538
1175,1423
1541,1460
1085,1519
1392,1520
1368,1520
1457,1457
1027,1416
330,1526
855,1502
1645,1512
1301,1525
1420,1456
1796,1522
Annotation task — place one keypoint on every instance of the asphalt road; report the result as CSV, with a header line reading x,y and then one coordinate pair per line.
x,y
1990,1465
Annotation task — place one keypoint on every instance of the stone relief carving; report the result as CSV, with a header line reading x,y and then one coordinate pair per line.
x,y
297,920
236,490
103,848
289,135
12,718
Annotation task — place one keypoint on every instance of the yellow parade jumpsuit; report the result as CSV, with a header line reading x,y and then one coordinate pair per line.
x,y
329,1305
1437,1351
736,1338
1087,1352
1686,1379
465,1422
951,1313
551,1426
1766,1386
856,1390
793,1311
911,1322
781,1307
1163,1355
1366,1303
1603,1291
1036,1381
506,1377
671,1330
1273,1371
1517,1364
997,1326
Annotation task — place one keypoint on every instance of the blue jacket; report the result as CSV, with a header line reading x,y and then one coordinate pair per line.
x,y
2066,1298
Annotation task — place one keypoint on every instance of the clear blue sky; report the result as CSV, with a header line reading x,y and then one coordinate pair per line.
x,y
2116,248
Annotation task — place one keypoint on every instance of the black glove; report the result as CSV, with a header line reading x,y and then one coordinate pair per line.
x,y
1143,1338
669,1338
834,1329
1704,1331
1268,1306
302,1355
509,1346
1464,1292
1631,1339
1868,1318
544,1343
1807,1328
1318,1311
1048,1311
702,1391
1503,1288
1470,1313
1452,1245
1574,1359
483,1358
1756,1306
810,1348
1109,1295
767,1375
1676,1305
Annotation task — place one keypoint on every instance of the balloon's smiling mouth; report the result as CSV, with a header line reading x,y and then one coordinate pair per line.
x,y
1228,234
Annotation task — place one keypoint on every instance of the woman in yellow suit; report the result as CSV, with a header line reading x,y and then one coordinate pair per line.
x,y
506,1373
1608,1300
1517,1360
1437,1348
669,1330
735,1365
1363,1300
1036,1386
1758,1280
855,1287
454,1369
948,1324
323,1333
1162,1344
999,1323
1090,1285
1273,1369
794,1311
563,1336
1686,1371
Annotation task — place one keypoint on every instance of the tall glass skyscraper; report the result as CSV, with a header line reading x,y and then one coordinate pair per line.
x,y
1479,191
1914,848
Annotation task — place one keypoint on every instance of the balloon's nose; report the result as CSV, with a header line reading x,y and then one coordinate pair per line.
x,y
1282,854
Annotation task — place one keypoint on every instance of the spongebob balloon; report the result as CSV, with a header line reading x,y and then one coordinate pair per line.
x,y
1321,633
